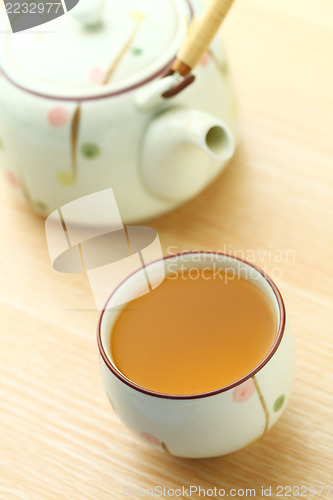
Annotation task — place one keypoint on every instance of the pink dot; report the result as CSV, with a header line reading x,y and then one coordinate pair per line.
x,y
58,117
97,75
205,59
244,391
151,439
14,181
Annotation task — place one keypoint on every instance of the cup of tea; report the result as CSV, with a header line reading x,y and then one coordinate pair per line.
x,y
202,365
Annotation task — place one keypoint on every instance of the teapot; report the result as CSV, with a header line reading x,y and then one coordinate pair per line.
x,y
83,108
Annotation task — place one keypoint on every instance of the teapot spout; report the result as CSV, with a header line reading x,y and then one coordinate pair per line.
x,y
183,151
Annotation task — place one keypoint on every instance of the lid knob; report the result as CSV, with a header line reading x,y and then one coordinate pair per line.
x,y
88,12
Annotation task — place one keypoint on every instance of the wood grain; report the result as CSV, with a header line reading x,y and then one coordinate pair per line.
x,y
59,438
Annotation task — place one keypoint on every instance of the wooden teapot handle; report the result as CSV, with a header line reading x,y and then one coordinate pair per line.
x,y
200,36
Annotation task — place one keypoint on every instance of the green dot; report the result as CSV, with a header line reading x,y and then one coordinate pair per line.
x,y
224,67
1,143
90,150
41,206
279,402
111,403
137,51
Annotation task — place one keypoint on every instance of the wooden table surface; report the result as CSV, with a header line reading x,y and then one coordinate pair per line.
x,y
59,438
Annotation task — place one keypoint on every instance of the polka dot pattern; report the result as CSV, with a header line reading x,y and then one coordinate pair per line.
x,y
136,51
138,15
90,150
66,178
151,439
42,207
279,402
244,391
111,403
205,59
97,75
58,117
224,67
12,179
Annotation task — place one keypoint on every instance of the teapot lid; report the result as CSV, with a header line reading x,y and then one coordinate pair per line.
x,y
120,46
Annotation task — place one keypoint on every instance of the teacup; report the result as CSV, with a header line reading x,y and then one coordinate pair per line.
x,y
212,423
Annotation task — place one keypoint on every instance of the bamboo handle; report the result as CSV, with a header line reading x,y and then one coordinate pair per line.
x,y
201,36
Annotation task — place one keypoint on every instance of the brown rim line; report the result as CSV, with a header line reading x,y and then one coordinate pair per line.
x,y
271,352
115,93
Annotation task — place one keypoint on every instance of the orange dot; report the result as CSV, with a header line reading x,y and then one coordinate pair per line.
x,y
205,59
13,180
97,75
58,117
244,391
151,439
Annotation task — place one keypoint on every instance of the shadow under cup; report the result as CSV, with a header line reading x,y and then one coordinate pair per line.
x,y
212,423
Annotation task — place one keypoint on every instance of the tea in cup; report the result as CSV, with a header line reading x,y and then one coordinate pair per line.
x,y
202,365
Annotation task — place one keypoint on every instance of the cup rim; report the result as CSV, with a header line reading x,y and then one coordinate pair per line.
x,y
269,355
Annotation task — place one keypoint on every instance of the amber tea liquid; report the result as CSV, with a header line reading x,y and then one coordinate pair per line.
x,y
190,336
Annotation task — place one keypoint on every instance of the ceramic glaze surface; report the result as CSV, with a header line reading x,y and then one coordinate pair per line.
x,y
74,125
72,56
